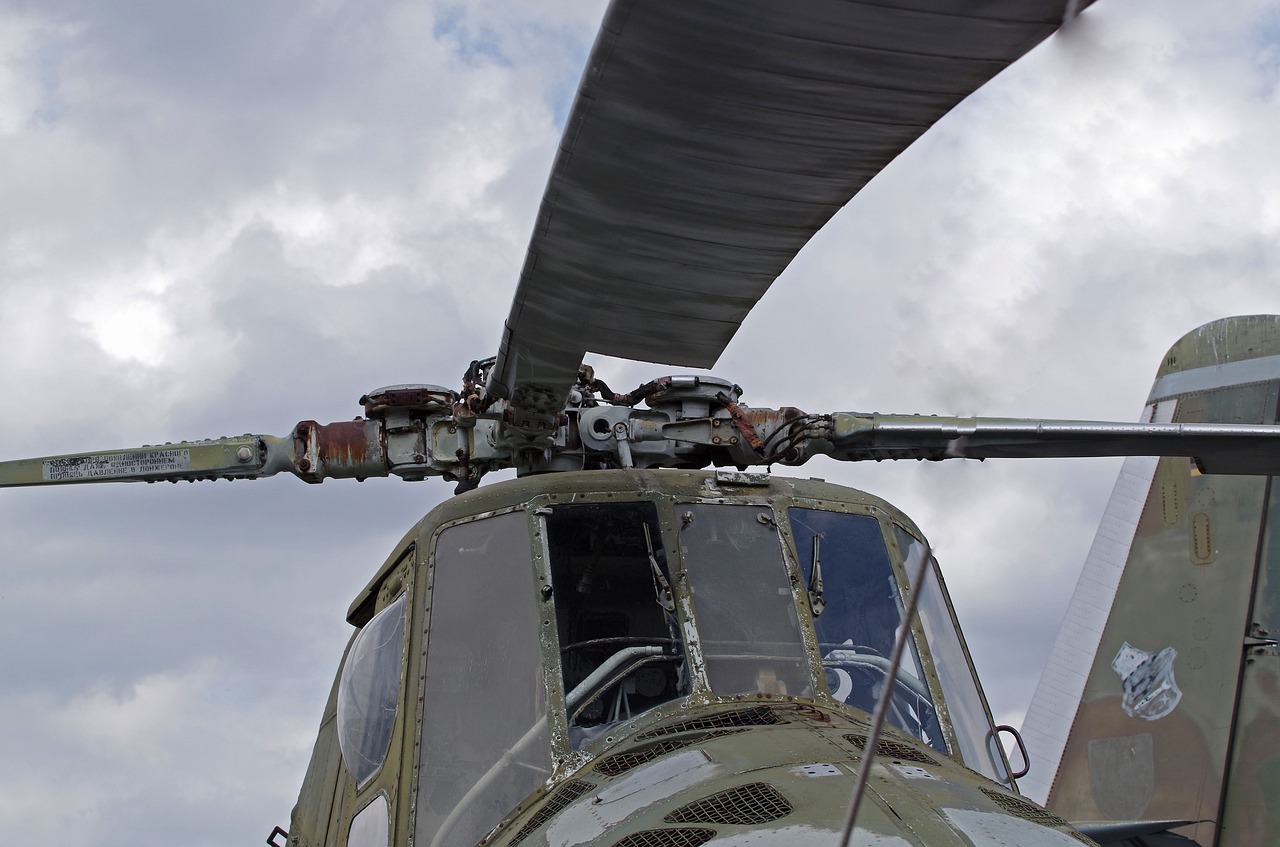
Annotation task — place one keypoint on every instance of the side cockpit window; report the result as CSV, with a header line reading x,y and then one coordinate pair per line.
x,y
369,691
371,827
621,649
967,708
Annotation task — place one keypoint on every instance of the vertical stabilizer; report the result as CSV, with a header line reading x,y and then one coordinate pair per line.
x,y
1161,698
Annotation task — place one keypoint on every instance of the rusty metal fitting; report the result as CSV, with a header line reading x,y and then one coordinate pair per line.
x,y
431,399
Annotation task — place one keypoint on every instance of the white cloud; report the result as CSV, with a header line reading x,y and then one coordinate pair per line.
x,y
127,327
173,735
231,218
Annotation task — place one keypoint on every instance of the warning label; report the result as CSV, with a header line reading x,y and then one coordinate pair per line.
x,y
116,464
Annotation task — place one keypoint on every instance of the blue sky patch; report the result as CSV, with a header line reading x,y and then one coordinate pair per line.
x,y
473,44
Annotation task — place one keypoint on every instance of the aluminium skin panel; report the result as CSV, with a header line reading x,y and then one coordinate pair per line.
x,y
1162,670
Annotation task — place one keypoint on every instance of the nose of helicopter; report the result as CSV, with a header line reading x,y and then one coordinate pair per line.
x,y
786,785
688,799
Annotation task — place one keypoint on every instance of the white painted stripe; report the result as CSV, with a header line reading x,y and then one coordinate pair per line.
x,y
1215,376
1057,698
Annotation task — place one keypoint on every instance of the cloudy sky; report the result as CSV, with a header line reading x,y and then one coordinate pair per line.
x,y
219,218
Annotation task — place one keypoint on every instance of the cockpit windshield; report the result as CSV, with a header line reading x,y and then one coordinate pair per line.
x,y
485,743
621,648
588,604
742,598
857,612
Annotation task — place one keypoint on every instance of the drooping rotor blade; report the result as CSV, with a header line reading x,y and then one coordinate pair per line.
x,y
313,452
675,432
1215,448
410,431
710,139
245,457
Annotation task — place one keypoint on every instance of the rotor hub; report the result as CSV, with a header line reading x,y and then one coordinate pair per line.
x,y
685,397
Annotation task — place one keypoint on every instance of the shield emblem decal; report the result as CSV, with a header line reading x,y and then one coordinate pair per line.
x,y
1150,691
1122,775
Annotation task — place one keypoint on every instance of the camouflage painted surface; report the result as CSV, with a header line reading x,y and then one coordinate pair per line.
x,y
705,768
1252,811
1178,717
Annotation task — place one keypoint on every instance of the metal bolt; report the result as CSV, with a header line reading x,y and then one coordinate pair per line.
x,y
243,455
715,439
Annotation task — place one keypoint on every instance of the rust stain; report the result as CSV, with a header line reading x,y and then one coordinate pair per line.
x,y
302,436
427,397
343,443
764,417
651,392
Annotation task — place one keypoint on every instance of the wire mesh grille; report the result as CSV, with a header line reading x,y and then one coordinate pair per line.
x,y
682,837
563,796
758,716
755,803
1024,809
892,749
623,762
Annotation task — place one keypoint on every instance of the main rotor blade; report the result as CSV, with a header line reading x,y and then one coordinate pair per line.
x,y
1215,448
245,457
313,452
710,139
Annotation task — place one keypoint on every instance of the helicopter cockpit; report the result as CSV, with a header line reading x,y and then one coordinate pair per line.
x,y
548,631
622,648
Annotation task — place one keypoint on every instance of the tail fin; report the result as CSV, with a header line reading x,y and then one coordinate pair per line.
x,y
1161,698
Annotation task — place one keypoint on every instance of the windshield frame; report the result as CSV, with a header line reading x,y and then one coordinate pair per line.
x,y
919,652
937,586
809,658
565,757
543,739
669,509
554,539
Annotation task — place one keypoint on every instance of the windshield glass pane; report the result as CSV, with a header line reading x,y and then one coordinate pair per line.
x,y
969,720
746,614
621,647
861,613
485,745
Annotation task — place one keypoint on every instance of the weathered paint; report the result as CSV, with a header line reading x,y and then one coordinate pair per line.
x,y
805,749
339,450
1189,728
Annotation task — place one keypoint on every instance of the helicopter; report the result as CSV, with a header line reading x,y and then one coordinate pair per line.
x,y
362,388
